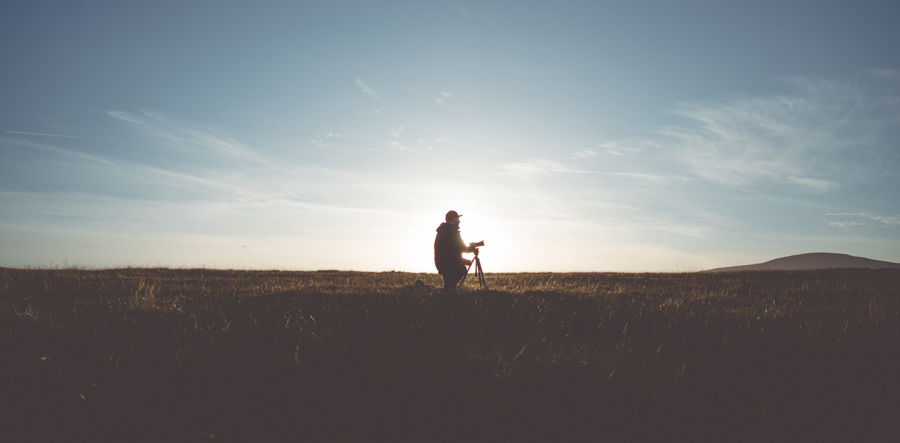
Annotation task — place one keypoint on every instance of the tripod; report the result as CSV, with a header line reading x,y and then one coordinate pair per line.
x,y
478,271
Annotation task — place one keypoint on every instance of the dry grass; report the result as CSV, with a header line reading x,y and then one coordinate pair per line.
x,y
197,355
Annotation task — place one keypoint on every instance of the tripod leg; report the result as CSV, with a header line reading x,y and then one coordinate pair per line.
x,y
463,280
481,275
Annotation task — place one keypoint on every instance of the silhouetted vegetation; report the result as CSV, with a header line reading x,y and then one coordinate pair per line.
x,y
205,355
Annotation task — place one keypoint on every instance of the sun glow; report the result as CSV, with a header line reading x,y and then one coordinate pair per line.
x,y
416,234
489,229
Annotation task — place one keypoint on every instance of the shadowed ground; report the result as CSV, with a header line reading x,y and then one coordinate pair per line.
x,y
202,355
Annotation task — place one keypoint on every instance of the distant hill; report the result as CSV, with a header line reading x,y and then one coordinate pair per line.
x,y
815,260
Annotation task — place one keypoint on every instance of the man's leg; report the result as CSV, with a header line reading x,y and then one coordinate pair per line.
x,y
450,280
453,276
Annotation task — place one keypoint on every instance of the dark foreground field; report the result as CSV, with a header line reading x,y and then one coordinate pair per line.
x,y
204,355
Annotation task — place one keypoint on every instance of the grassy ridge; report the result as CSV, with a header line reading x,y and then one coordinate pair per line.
x,y
203,355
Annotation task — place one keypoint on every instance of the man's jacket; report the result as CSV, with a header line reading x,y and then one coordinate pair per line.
x,y
448,249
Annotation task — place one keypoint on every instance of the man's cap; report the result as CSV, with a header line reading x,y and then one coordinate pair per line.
x,y
450,215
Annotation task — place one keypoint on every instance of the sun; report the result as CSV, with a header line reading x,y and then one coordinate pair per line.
x,y
418,232
475,227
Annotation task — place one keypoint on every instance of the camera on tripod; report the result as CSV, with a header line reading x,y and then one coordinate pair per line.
x,y
477,263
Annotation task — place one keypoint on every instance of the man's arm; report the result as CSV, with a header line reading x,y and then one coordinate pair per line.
x,y
462,246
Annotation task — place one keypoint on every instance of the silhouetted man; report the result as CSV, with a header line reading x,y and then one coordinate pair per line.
x,y
448,250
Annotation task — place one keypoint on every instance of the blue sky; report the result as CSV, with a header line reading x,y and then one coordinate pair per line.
x,y
573,136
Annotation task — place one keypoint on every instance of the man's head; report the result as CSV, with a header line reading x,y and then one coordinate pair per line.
x,y
452,217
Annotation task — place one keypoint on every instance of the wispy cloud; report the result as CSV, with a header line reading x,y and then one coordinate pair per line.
x,y
481,13
886,74
128,117
124,174
812,138
864,219
887,219
442,97
239,174
367,89
328,140
541,167
71,136
813,184
400,147
587,153
534,168
184,135
628,146
54,149
846,224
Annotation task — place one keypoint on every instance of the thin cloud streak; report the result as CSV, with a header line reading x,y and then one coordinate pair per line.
x,y
399,146
629,146
182,135
865,219
128,171
587,153
814,185
442,97
482,15
546,167
781,139
367,89
74,136
262,181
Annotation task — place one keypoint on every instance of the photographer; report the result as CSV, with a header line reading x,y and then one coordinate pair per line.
x,y
448,250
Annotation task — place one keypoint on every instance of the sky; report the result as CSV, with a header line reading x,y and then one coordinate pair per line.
x,y
572,135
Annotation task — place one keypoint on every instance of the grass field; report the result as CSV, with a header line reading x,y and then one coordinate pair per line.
x,y
207,355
